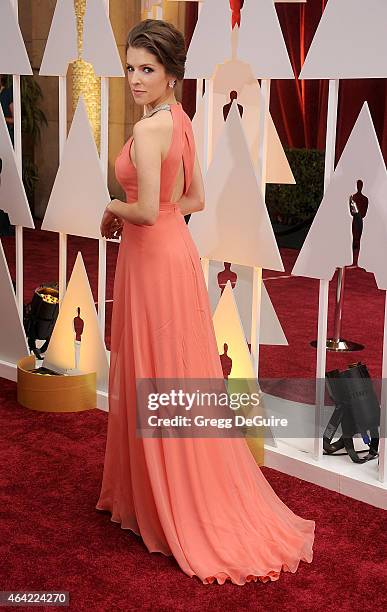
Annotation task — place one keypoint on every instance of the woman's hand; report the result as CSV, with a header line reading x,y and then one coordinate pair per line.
x,y
111,226
106,222
120,226
116,228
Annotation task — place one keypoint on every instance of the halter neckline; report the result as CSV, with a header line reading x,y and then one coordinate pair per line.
x,y
165,106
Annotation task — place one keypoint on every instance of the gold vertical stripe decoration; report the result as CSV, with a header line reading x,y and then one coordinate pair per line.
x,y
171,12
85,83
174,12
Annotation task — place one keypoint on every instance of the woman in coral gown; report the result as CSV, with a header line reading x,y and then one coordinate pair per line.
x,y
202,500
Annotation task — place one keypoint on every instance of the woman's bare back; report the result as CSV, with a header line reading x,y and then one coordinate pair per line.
x,y
164,122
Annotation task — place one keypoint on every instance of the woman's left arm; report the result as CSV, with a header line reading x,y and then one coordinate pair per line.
x,y
148,164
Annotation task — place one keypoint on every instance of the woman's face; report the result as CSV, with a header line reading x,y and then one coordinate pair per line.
x,y
147,78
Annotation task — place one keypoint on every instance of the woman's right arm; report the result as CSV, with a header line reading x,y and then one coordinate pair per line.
x,y
193,200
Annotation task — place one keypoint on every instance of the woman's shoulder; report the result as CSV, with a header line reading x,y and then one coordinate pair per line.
x,y
157,123
156,129
145,126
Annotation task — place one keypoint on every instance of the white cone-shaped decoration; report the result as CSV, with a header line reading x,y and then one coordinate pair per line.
x,y
261,43
328,244
63,351
13,54
271,332
235,224
373,243
229,329
214,24
13,199
61,47
99,45
373,251
79,195
278,170
13,343
237,76
350,42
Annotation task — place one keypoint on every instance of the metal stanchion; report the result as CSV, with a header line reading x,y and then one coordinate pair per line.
x,y
337,343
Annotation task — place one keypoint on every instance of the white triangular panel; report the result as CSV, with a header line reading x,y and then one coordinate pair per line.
x,y
373,243
79,195
13,54
99,45
350,42
13,343
13,199
373,252
237,76
278,170
235,225
261,43
214,24
271,332
61,47
328,244
228,329
60,352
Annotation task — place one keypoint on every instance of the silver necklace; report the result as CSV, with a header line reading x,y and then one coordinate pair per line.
x,y
156,109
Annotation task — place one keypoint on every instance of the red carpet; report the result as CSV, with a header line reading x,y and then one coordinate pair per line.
x,y
51,467
53,538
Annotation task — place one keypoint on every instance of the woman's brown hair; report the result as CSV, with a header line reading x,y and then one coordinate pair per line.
x,y
163,40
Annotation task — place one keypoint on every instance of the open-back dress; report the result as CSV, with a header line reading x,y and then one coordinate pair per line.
x,y
203,500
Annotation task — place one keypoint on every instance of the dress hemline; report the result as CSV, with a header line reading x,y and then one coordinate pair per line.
x,y
221,577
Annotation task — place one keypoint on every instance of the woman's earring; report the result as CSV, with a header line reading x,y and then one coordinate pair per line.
x,y
172,83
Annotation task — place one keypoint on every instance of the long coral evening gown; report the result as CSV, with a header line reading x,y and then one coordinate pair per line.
x,y
202,500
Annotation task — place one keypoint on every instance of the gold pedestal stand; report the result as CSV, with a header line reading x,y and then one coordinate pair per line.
x,y
54,393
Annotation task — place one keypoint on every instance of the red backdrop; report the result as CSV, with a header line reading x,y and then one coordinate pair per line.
x,y
299,108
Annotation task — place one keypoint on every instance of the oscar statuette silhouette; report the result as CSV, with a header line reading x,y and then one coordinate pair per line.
x,y
78,325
